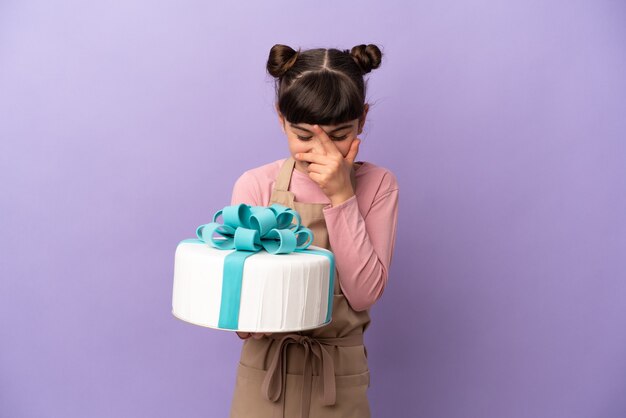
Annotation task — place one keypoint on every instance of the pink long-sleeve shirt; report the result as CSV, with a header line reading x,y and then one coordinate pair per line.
x,y
361,230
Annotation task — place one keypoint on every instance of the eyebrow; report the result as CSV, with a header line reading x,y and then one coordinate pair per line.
x,y
334,130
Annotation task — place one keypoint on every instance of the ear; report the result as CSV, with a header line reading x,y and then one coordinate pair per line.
x,y
362,118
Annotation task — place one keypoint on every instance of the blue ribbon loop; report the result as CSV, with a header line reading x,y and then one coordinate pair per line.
x,y
247,229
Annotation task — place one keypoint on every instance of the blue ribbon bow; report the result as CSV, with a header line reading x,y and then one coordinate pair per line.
x,y
253,228
247,229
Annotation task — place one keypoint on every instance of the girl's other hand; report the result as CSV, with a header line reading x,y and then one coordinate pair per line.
x,y
255,335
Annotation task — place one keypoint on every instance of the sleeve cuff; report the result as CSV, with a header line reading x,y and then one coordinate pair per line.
x,y
332,210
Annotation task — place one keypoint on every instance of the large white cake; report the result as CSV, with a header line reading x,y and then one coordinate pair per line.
x,y
279,292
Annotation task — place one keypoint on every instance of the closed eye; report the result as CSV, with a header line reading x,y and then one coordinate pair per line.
x,y
334,138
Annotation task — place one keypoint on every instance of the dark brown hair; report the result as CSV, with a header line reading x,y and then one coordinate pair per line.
x,y
321,86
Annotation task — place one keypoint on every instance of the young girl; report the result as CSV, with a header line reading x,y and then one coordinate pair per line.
x,y
351,207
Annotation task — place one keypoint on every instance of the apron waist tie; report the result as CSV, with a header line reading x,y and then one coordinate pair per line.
x,y
276,375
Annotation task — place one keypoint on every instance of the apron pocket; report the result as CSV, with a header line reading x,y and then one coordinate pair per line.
x,y
248,401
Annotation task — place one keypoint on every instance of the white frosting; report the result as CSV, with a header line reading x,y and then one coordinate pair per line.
x,y
280,293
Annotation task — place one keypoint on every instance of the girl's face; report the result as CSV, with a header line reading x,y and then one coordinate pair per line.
x,y
300,137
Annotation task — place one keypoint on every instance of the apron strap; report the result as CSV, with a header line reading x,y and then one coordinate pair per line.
x,y
284,175
276,375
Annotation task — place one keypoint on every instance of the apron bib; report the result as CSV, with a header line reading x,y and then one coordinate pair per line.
x,y
319,373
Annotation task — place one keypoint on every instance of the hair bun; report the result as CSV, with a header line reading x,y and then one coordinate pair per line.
x,y
281,59
367,57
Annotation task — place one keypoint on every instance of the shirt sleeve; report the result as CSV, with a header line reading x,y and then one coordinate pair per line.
x,y
246,190
363,246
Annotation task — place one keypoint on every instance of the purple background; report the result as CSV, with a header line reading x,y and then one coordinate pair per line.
x,y
124,125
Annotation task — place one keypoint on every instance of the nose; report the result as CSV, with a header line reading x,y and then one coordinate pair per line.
x,y
316,146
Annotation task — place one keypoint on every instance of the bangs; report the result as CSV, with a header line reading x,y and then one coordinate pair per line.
x,y
321,97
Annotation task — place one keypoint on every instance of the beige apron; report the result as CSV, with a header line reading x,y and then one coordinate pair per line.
x,y
321,373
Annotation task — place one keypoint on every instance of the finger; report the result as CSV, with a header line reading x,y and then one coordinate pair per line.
x,y
317,147
327,143
312,157
243,335
257,335
354,149
316,177
317,168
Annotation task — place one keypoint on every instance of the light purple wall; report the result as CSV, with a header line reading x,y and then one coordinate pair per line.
x,y
124,124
